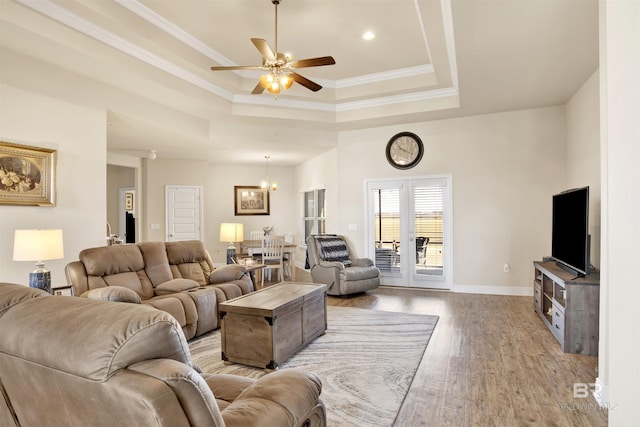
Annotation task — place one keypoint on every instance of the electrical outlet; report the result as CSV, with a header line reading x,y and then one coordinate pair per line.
x,y
507,268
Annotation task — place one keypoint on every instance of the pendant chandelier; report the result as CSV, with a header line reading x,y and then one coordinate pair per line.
x,y
267,185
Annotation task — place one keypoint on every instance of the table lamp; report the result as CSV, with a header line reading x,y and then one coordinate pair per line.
x,y
231,233
38,245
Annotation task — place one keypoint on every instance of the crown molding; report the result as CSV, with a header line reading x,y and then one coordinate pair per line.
x,y
71,20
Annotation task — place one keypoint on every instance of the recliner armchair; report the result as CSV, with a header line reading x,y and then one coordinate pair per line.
x,y
334,263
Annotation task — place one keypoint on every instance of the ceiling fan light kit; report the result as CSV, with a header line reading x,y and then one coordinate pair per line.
x,y
280,73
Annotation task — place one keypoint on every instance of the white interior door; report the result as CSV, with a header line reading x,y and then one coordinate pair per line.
x,y
409,231
183,213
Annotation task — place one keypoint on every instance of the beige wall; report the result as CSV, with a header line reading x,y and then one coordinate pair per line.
x,y
218,183
157,174
505,169
79,135
220,203
583,153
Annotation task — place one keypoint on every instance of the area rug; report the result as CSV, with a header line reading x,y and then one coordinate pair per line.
x,y
366,360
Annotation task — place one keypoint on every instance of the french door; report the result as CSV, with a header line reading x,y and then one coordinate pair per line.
x,y
409,231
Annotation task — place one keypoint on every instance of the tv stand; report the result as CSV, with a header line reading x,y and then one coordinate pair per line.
x,y
569,306
570,270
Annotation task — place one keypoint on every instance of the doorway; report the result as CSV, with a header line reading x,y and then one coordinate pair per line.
x,y
409,230
123,205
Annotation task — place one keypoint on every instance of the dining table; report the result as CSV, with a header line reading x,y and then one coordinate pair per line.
x,y
254,247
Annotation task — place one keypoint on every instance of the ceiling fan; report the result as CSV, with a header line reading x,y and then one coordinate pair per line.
x,y
280,71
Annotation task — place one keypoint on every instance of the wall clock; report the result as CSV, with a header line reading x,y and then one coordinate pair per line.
x,y
404,150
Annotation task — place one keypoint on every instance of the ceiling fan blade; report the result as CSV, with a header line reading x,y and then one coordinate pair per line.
x,y
237,67
258,89
306,82
264,49
312,62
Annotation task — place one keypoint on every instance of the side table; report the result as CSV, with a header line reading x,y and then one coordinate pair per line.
x,y
62,290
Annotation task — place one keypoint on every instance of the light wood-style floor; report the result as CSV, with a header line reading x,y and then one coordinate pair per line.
x,y
490,362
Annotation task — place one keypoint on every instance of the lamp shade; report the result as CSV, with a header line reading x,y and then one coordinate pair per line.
x,y
230,232
37,245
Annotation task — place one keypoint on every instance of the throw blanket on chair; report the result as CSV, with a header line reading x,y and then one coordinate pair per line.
x,y
333,248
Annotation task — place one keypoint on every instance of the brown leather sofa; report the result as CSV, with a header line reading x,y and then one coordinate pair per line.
x,y
67,361
176,277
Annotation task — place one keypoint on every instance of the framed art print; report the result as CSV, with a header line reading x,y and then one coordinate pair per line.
x,y
251,200
27,175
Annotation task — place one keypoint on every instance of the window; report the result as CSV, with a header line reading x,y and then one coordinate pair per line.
x,y
314,213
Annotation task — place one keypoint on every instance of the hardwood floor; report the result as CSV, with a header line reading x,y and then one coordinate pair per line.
x,y
490,362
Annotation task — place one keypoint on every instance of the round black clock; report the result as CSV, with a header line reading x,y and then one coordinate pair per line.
x,y
404,150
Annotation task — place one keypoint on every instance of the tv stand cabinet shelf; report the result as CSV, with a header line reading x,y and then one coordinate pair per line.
x,y
569,306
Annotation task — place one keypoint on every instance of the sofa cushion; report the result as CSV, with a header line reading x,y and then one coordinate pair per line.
x,y
120,265
176,285
113,293
156,262
189,260
333,248
110,260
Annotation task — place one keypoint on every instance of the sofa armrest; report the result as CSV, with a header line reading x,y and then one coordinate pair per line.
x,y
227,273
113,293
285,398
362,262
331,264
76,276
192,391
227,387
175,285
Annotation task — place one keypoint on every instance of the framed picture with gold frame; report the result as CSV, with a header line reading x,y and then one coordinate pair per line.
x,y
27,175
250,200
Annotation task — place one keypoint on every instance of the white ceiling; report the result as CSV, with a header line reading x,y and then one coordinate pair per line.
x,y
147,62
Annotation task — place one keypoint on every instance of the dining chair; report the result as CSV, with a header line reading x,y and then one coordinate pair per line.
x,y
289,237
272,255
256,235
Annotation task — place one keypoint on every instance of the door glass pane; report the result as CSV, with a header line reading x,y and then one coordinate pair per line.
x,y
428,206
387,229
314,213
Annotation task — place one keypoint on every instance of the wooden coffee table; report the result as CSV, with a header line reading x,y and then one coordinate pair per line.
x,y
266,327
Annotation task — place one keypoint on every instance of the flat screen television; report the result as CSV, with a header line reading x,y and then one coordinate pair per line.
x,y
570,243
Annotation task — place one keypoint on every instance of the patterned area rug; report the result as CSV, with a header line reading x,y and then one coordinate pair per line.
x,y
366,360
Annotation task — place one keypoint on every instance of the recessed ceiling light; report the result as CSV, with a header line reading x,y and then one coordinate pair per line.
x,y
368,35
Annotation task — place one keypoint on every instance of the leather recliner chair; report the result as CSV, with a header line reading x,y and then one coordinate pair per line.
x,y
68,361
333,262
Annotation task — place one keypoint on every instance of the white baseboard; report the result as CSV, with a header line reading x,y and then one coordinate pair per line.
x,y
520,291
